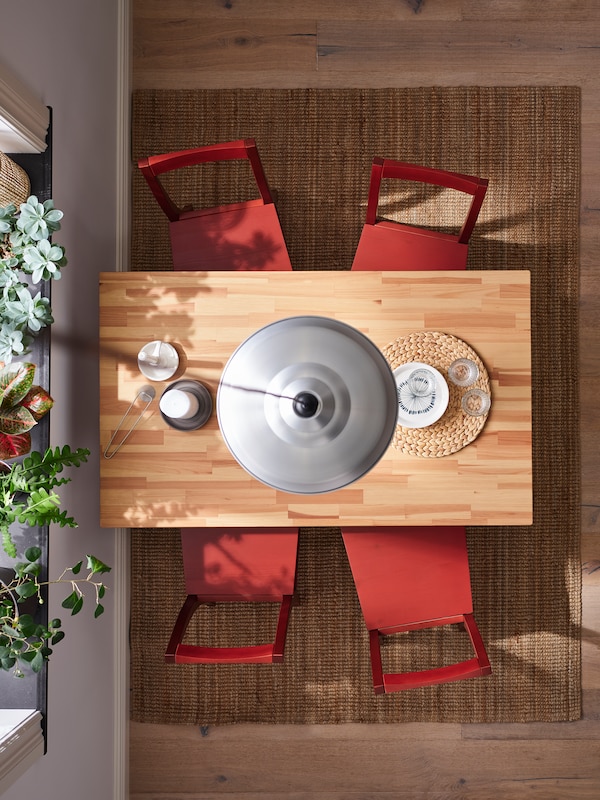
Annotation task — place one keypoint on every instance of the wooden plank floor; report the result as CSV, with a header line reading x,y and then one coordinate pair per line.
x,y
266,43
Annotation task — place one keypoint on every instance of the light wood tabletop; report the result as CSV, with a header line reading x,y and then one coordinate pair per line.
x,y
162,477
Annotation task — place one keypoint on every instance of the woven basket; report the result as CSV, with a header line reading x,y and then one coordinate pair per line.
x,y
14,182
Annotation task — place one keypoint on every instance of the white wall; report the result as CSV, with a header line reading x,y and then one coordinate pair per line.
x,y
66,51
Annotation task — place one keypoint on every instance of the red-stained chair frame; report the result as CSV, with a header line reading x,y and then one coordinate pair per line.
x,y
271,586
459,608
427,249
394,576
242,149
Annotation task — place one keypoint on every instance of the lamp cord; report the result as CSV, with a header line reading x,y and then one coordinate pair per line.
x,y
299,401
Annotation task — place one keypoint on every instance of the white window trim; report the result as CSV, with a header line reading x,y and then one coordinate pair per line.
x,y
21,743
24,118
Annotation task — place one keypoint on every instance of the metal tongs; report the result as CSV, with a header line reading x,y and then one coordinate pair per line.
x,y
146,395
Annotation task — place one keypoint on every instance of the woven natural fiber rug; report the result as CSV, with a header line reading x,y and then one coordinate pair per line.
x,y
317,147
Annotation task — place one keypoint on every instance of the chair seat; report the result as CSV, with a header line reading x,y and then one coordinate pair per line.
x,y
404,576
390,246
226,564
247,237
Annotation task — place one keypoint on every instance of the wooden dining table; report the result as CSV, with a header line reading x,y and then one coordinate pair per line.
x,y
163,477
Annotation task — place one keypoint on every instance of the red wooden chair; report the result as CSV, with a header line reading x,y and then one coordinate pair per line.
x,y
414,577
235,565
238,236
408,579
388,245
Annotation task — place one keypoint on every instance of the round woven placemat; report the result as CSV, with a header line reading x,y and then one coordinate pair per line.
x,y
454,430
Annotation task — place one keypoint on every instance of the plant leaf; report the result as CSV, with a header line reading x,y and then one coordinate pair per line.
x,y
53,460
26,590
38,402
16,419
14,446
33,553
8,545
38,662
96,566
32,569
78,606
99,610
28,657
70,601
16,379
27,628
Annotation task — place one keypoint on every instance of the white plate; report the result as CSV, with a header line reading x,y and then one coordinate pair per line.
x,y
169,358
433,410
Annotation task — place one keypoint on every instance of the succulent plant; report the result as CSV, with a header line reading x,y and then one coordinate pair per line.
x,y
25,309
38,221
27,258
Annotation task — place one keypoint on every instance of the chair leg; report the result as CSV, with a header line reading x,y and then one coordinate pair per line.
x,y
282,626
478,645
376,666
400,681
183,618
178,653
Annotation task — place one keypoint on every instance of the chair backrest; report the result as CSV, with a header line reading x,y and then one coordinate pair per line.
x,y
153,166
401,170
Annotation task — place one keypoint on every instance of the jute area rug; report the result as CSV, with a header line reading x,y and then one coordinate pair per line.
x,y
317,147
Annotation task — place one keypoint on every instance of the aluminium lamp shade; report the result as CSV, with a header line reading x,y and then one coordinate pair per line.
x,y
307,405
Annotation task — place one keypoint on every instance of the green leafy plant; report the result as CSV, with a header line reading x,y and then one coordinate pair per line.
x,y
27,491
22,405
27,258
23,641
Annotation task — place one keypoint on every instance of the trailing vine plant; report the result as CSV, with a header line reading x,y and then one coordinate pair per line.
x,y
25,642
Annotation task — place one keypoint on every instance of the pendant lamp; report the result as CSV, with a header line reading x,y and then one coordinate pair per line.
x,y
307,404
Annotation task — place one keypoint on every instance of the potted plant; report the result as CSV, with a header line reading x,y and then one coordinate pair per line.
x,y
27,258
27,491
23,641
22,405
